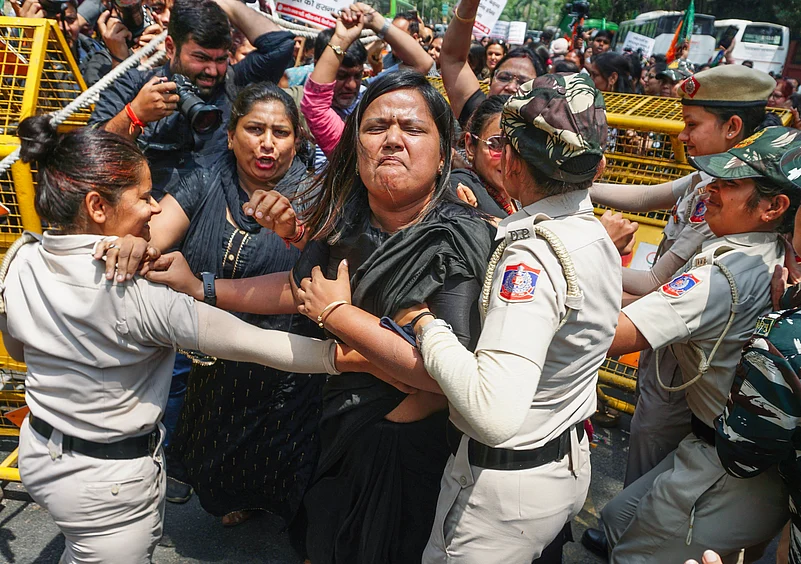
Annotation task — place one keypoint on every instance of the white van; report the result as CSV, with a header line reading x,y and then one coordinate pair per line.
x,y
766,44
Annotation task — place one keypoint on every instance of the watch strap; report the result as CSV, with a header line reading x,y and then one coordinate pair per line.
x,y
209,288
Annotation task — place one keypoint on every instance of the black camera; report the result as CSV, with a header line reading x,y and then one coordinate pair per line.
x,y
580,9
53,8
134,15
202,116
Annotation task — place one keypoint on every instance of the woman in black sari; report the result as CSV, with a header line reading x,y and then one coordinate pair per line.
x,y
383,205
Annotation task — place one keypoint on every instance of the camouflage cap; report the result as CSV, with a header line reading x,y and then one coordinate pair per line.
x,y
733,86
773,153
557,123
677,70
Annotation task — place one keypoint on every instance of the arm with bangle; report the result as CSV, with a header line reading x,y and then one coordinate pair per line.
x,y
459,80
318,92
404,46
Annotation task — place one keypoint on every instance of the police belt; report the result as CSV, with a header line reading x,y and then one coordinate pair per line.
x,y
132,447
702,431
484,456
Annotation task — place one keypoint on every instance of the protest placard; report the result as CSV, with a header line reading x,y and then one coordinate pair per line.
x,y
500,30
517,33
636,41
488,13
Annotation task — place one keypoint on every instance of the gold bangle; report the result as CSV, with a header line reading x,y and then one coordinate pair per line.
x,y
327,309
461,19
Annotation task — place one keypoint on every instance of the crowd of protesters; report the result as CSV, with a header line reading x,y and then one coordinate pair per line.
x,y
420,293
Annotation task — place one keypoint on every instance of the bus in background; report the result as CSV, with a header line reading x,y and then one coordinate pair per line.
x,y
767,44
660,26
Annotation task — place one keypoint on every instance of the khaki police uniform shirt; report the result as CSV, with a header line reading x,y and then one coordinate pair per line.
x,y
520,347
690,313
689,210
99,354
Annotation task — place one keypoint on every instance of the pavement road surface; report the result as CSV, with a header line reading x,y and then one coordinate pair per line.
x,y
29,536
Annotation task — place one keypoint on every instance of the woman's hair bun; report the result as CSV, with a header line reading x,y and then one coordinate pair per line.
x,y
38,137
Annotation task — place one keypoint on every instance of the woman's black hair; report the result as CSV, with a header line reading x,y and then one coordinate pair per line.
x,y
501,42
609,62
263,92
203,21
477,58
752,117
485,111
635,71
565,66
70,166
765,188
523,53
339,190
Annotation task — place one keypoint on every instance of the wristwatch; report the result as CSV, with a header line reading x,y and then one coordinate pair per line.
x,y
209,288
428,327
338,50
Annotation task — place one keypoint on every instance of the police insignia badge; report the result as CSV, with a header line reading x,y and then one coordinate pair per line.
x,y
765,323
691,86
698,213
518,283
680,285
749,140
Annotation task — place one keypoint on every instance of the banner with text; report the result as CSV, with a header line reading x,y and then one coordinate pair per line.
x,y
488,13
315,12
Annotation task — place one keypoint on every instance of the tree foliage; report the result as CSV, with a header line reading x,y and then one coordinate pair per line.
x,y
540,13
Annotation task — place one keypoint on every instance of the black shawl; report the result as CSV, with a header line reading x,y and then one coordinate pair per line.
x,y
408,268
202,243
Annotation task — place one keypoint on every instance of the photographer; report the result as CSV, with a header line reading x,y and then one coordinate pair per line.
x,y
142,105
94,61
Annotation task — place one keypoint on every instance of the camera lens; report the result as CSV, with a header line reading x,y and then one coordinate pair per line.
x,y
203,117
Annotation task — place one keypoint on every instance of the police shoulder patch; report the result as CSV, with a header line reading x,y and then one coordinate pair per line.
x,y
518,283
699,212
680,285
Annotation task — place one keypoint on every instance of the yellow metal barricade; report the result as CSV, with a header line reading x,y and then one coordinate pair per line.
x,y
643,148
38,75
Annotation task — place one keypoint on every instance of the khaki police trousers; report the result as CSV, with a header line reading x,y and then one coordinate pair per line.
x,y
110,511
662,418
688,504
506,516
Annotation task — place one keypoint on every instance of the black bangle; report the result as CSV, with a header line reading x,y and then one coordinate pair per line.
x,y
114,58
419,317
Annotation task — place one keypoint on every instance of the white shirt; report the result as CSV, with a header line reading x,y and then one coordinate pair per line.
x,y
99,354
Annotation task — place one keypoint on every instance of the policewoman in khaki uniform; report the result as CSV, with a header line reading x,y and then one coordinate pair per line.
x,y
520,465
705,315
721,106
100,352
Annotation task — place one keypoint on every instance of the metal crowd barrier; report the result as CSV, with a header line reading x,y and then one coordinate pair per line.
x,y
38,75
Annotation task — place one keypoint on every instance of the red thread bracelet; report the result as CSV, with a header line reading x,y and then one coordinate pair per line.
x,y
135,121
301,231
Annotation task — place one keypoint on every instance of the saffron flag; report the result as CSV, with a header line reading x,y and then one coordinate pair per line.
x,y
684,32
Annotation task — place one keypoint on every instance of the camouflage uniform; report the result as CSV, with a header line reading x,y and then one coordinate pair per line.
x,y
550,305
761,425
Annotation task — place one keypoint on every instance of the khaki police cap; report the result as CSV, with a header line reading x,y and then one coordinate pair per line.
x,y
733,86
